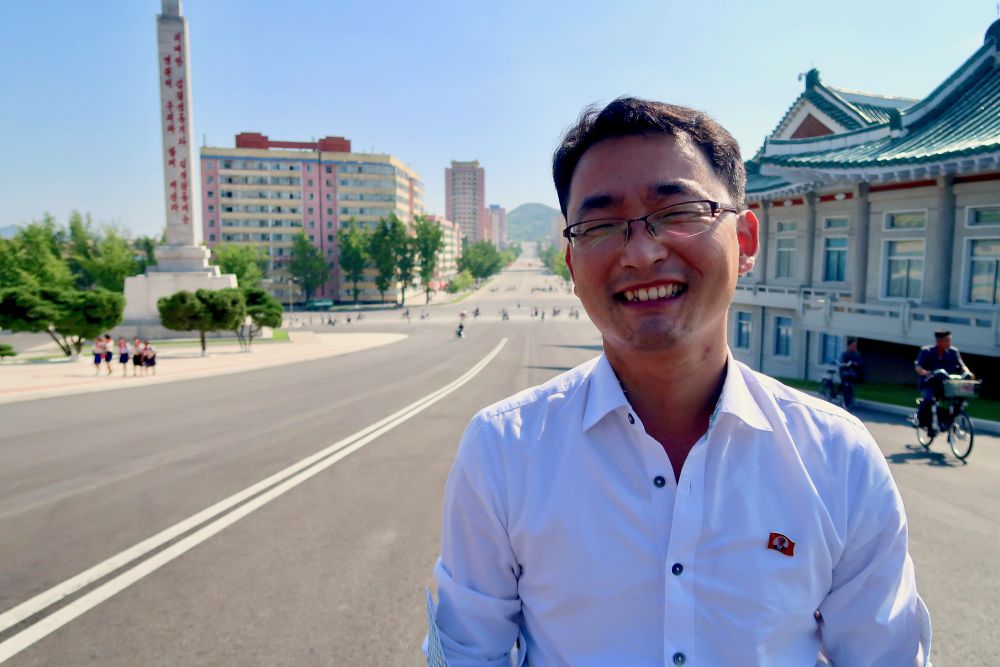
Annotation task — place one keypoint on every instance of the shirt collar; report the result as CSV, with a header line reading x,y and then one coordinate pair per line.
x,y
605,395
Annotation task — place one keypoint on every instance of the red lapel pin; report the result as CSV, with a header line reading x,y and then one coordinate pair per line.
x,y
781,543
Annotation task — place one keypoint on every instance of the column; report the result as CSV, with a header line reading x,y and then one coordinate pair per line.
x,y
938,252
810,240
858,257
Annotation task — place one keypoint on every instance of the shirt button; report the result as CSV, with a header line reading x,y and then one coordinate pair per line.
x,y
659,481
679,658
631,419
677,569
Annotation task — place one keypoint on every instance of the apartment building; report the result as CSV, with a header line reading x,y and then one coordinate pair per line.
x,y
465,199
447,259
498,225
880,220
265,192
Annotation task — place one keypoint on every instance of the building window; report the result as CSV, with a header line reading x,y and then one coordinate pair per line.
x,y
835,223
830,348
329,224
835,260
787,227
904,261
211,179
211,223
211,193
328,170
309,168
784,266
984,276
329,237
312,238
984,216
310,196
309,210
312,224
329,211
782,336
309,183
743,324
329,183
211,237
906,220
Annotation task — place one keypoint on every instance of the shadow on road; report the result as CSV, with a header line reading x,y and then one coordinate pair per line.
x,y
917,454
559,369
597,348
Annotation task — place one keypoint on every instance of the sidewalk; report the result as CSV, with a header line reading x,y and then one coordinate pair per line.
x,y
25,382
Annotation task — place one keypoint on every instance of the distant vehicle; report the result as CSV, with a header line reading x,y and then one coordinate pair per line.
x,y
319,304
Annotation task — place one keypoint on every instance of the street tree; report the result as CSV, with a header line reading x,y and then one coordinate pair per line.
x,y
429,240
406,262
481,259
307,265
382,246
111,263
263,310
353,243
247,262
38,249
71,317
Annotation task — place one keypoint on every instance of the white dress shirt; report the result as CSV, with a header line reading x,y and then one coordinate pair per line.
x,y
564,527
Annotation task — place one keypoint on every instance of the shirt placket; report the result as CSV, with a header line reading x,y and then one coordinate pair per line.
x,y
680,603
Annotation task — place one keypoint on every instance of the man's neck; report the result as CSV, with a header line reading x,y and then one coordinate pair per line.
x,y
674,393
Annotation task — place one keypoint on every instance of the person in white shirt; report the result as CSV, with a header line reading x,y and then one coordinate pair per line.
x,y
663,504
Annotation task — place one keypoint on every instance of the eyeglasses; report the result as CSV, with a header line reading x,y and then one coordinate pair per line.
x,y
678,221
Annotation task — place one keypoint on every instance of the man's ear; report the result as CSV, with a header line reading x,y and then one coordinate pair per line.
x,y
746,236
569,265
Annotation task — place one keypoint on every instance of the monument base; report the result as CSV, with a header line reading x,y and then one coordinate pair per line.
x,y
142,293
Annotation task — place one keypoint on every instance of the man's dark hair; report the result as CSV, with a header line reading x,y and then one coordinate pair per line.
x,y
630,116
941,333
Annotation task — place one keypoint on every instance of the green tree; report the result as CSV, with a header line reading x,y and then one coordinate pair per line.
x,y
353,244
263,310
554,258
481,259
112,263
6,351
460,282
382,246
71,317
429,240
406,262
247,262
307,265
81,249
146,245
203,311
39,254
11,273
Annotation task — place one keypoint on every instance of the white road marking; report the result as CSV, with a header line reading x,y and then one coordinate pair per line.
x,y
292,476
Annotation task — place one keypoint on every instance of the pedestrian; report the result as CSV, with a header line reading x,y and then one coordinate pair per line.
x,y
138,355
109,344
98,350
664,503
123,355
148,358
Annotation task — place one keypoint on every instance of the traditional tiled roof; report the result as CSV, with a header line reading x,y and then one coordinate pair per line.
x,y
969,124
757,183
960,118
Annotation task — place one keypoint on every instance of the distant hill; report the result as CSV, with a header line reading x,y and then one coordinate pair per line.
x,y
530,222
9,231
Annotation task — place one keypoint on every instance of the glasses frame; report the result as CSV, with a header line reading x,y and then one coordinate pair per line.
x,y
716,209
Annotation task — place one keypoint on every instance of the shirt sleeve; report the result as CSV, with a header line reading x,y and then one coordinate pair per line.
x,y
873,614
478,613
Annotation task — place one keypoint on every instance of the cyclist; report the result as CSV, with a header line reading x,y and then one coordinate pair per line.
x,y
934,364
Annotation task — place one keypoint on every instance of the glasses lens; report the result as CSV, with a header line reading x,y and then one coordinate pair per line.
x,y
686,219
597,234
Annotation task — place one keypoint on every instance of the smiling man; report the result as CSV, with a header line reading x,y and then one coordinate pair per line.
x,y
663,504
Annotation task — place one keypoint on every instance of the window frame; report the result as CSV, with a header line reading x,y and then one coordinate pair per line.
x,y
845,251
776,328
887,214
884,288
967,273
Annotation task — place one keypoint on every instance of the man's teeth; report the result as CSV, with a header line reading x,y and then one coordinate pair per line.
x,y
650,293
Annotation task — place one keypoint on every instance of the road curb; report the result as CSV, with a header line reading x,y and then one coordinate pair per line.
x,y
982,425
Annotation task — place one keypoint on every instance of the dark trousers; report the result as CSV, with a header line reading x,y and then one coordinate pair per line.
x,y
931,388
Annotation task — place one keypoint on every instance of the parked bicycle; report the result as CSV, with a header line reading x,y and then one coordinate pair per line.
x,y
949,416
838,385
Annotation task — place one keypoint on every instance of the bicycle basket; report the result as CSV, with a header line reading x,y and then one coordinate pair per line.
x,y
961,388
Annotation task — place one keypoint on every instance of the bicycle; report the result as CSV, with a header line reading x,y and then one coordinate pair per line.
x,y
951,417
841,392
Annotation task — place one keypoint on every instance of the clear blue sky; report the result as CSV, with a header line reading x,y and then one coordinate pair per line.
x,y
428,82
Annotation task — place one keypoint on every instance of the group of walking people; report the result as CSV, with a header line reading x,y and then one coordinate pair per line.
x,y
140,353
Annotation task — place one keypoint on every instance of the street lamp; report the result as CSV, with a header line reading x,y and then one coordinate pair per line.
x,y
291,281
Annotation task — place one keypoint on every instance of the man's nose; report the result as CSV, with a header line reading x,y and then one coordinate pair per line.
x,y
641,248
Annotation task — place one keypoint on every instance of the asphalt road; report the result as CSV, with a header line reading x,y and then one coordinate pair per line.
x,y
332,571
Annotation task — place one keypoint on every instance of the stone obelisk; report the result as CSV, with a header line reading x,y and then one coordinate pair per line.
x,y
182,264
